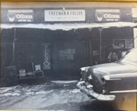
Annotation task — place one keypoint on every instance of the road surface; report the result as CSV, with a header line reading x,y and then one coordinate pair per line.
x,y
57,96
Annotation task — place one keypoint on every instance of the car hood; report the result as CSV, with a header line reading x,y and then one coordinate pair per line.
x,y
113,68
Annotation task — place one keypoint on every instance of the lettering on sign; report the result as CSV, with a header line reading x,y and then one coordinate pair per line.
x,y
64,15
20,16
105,15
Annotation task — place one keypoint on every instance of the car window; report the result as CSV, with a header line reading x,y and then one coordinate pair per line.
x,y
130,57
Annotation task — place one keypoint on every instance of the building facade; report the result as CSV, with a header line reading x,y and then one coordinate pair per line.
x,y
62,38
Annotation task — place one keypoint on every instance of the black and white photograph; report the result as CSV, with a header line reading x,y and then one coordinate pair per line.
x,y
68,56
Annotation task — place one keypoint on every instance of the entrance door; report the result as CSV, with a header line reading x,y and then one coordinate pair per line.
x,y
68,57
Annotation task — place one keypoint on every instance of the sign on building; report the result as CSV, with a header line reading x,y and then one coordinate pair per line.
x,y
64,15
107,15
20,15
46,62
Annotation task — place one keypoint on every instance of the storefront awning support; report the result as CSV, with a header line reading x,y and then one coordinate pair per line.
x,y
14,41
100,29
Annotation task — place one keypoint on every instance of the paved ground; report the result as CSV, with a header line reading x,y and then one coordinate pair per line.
x,y
56,96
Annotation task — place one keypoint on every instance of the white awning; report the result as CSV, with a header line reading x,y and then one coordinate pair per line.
x,y
69,26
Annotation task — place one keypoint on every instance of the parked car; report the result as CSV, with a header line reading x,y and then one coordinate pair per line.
x,y
105,81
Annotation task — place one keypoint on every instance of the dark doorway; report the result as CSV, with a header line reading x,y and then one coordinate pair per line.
x,y
68,56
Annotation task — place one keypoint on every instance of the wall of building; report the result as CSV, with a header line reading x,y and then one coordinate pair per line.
x,y
61,53
66,51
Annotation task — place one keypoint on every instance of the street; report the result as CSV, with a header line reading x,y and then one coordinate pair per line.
x,y
55,96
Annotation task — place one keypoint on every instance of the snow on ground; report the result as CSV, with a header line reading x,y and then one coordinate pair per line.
x,y
56,96
64,82
40,96
23,90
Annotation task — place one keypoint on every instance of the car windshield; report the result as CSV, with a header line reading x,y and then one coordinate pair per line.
x,y
130,57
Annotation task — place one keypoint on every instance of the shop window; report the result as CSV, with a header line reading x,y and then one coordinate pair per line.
x,y
119,43
130,43
67,54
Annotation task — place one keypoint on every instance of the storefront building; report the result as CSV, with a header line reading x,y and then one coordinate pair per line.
x,y
62,39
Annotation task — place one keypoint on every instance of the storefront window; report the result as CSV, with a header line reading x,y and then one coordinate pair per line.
x,y
130,43
119,43
67,54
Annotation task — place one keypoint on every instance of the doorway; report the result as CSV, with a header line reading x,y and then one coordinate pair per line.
x,y
68,56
